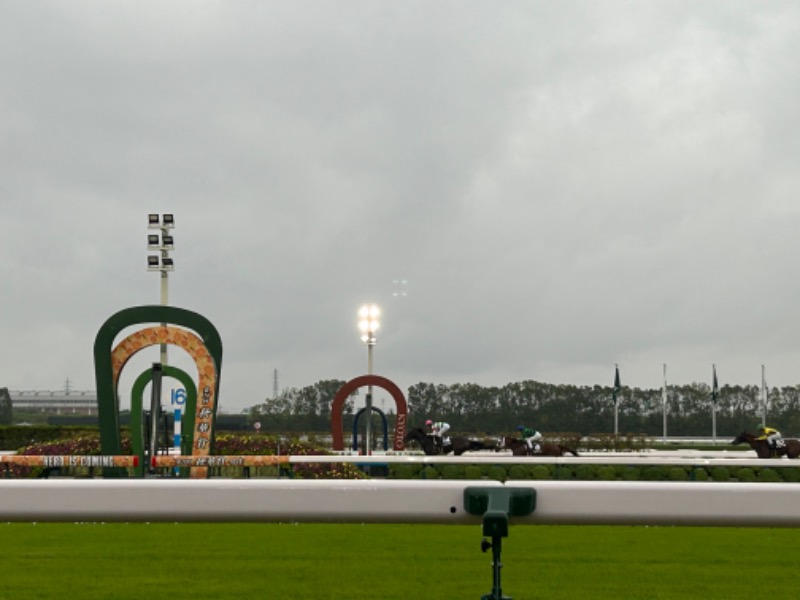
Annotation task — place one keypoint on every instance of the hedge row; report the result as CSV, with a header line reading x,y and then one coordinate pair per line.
x,y
596,473
15,437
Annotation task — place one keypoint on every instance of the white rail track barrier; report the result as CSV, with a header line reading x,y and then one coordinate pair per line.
x,y
477,458
70,460
395,501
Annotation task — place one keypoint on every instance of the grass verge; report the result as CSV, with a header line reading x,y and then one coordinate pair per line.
x,y
391,562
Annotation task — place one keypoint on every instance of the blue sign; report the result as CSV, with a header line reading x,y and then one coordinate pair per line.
x,y
178,396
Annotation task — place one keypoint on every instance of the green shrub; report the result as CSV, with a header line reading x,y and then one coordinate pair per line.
x,y
606,474
720,474
429,472
401,471
518,472
745,474
790,474
496,473
678,474
541,472
769,475
472,472
655,473
563,473
585,472
452,472
629,473
700,474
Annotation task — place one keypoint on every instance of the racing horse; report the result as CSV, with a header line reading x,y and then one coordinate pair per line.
x,y
458,444
518,447
791,448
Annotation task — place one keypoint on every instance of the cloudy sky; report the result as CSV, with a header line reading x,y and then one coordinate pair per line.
x,y
562,186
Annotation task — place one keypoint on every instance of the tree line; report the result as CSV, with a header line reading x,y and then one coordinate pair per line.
x,y
548,407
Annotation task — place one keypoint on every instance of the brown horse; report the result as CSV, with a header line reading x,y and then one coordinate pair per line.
x,y
791,448
518,447
458,443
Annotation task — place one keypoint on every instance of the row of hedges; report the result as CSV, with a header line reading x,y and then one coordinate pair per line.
x,y
15,437
596,473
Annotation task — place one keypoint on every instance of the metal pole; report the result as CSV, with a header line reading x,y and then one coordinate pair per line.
x,y
368,433
714,400
497,588
763,397
664,402
714,424
617,391
155,407
164,295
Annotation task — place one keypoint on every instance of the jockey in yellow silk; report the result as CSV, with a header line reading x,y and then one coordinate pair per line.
x,y
771,435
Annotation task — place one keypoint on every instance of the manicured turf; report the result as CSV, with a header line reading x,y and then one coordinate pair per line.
x,y
313,562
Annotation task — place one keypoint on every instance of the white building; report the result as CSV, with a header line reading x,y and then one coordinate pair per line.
x,y
61,402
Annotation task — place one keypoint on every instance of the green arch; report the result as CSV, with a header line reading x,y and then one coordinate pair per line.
x,y
137,415
107,397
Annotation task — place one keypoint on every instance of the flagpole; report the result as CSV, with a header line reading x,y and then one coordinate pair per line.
x,y
616,402
664,402
714,397
763,397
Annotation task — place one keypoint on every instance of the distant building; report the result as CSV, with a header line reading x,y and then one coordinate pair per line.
x,y
71,402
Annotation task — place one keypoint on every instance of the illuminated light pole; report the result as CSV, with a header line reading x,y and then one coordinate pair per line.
x,y
368,324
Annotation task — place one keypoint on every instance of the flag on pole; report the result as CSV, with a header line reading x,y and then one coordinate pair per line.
x,y
714,386
617,386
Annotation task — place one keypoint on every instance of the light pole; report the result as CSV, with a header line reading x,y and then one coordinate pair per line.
x,y
162,263
664,402
764,396
368,324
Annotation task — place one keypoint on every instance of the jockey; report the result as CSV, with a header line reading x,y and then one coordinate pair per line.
x,y
437,430
772,435
530,437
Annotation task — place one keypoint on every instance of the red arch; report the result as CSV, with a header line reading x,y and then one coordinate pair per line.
x,y
376,381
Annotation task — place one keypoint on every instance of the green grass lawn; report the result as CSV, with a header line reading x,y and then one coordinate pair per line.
x,y
311,561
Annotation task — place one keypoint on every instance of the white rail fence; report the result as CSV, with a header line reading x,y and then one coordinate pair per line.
x,y
396,501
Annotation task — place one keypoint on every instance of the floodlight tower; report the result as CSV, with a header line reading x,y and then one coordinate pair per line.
x,y
162,262
368,323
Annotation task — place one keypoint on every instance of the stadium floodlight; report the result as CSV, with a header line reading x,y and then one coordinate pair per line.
x,y
369,323
161,262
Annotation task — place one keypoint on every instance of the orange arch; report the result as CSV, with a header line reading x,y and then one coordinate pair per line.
x,y
206,373
376,381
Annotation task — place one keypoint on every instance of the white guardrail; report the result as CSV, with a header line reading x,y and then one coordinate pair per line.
x,y
395,501
707,459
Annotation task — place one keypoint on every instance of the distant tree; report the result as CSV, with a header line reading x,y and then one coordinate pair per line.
x,y
550,408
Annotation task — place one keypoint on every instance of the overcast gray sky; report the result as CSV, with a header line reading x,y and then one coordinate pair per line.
x,y
563,185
